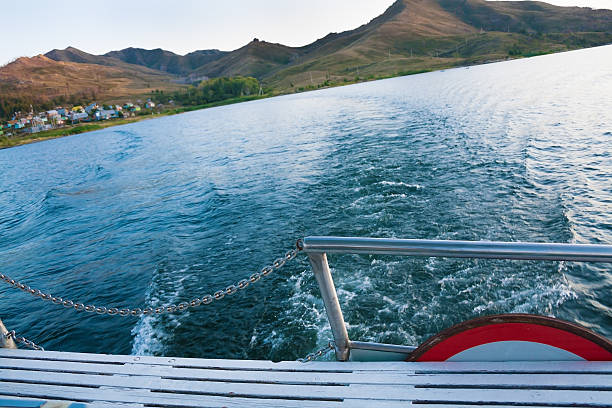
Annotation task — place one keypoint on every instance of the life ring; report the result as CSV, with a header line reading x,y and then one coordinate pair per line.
x,y
514,337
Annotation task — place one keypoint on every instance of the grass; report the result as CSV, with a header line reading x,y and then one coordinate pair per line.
x,y
24,138
17,140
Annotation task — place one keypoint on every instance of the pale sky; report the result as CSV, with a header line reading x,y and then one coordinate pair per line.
x,y
182,26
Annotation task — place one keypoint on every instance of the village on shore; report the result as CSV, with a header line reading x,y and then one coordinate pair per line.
x,y
23,123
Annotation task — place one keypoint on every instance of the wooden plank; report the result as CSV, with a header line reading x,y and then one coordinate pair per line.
x,y
550,381
176,361
349,403
516,366
481,396
205,374
355,391
368,403
147,397
561,367
497,380
171,372
532,366
181,386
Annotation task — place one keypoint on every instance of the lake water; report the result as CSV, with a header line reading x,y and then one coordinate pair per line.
x,y
175,208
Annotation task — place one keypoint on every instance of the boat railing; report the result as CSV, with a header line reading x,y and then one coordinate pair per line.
x,y
317,249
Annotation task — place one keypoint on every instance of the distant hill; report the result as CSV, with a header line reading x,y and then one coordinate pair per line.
x,y
257,59
166,61
528,16
72,54
413,35
422,19
410,36
41,78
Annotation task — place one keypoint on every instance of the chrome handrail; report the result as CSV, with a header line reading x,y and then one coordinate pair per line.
x,y
318,247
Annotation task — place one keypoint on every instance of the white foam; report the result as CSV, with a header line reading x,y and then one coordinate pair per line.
x,y
402,184
149,333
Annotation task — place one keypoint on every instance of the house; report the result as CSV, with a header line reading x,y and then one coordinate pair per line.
x,y
34,129
90,108
77,108
62,111
56,120
78,116
149,105
104,114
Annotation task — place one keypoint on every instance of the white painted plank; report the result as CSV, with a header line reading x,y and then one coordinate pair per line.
x,y
359,391
522,380
477,396
154,383
368,403
560,367
146,397
568,381
513,366
204,374
171,372
176,361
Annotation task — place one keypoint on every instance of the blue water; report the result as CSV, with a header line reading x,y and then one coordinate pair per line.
x,y
174,208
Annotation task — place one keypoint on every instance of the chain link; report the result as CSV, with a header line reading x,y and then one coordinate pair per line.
x,y
205,300
11,335
319,353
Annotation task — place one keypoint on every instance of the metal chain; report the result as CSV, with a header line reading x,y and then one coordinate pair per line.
x,y
205,300
11,335
319,353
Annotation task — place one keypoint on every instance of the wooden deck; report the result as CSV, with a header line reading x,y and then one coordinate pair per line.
x,y
31,378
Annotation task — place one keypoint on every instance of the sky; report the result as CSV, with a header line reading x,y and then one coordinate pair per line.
x,y
182,26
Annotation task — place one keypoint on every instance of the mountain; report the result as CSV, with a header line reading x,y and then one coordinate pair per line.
x,y
410,36
421,18
72,54
528,16
42,78
257,59
415,35
166,61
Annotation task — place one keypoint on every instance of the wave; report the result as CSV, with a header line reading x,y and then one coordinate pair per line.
x,y
415,187
152,332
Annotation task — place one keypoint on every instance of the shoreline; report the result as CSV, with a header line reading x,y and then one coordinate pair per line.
x,y
7,143
86,127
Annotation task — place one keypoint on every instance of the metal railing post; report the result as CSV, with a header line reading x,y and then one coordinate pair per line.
x,y
320,267
6,342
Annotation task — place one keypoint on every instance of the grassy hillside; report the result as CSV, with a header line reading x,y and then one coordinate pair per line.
x,y
528,16
256,59
166,61
40,80
417,35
